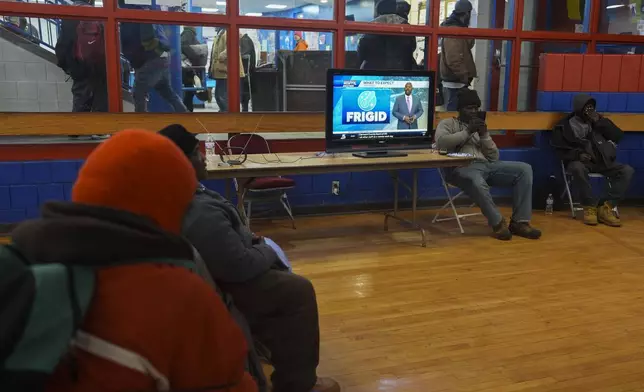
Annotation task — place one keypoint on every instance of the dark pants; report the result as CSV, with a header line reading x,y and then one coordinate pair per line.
x,y
618,177
221,95
282,313
89,95
450,95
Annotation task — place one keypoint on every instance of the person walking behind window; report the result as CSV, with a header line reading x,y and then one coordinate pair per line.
x,y
147,48
457,68
80,53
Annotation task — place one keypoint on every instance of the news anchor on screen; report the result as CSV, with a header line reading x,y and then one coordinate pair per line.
x,y
407,109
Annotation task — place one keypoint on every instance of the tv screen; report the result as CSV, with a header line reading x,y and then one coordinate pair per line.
x,y
369,110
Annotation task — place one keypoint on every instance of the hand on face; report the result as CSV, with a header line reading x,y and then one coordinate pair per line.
x,y
590,113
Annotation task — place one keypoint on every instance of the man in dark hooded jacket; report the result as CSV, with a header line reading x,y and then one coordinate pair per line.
x,y
587,143
456,63
380,51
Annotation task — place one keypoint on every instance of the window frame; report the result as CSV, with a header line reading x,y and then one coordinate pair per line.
x,y
110,14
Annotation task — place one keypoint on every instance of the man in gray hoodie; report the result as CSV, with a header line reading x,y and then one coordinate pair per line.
x,y
468,134
280,307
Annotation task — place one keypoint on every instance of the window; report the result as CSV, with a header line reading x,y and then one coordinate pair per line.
x,y
30,78
621,17
197,6
414,12
571,16
168,68
284,70
485,68
529,85
489,14
292,9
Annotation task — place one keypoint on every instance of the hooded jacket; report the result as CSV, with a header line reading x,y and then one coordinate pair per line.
x,y
599,143
380,51
213,225
128,203
456,60
218,67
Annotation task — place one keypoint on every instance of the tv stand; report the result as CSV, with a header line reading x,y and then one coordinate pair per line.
x,y
379,154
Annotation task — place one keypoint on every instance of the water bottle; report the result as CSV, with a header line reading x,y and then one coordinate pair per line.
x,y
549,204
211,154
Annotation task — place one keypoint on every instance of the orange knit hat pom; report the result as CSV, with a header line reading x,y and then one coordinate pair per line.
x,y
140,172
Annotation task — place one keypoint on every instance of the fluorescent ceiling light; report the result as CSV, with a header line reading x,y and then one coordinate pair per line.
x,y
324,1
221,3
615,6
253,14
276,6
210,10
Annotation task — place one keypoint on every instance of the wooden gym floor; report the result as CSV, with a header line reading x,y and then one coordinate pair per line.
x,y
470,313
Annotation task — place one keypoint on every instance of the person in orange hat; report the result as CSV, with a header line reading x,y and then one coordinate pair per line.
x,y
124,222
300,43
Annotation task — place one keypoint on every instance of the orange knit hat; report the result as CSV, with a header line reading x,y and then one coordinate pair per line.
x,y
139,172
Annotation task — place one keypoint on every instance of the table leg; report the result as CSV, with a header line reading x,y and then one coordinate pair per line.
x,y
414,193
227,188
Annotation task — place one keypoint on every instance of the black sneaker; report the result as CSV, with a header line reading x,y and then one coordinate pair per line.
x,y
501,231
523,229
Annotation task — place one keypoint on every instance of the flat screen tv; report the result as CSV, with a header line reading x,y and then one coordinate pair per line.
x,y
378,113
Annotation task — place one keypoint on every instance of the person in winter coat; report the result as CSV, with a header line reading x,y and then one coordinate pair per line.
x,y
587,143
387,52
456,63
219,69
280,306
89,84
128,204
300,43
249,59
468,134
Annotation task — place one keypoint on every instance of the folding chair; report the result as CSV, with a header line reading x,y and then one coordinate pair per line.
x,y
259,189
575,206
450,203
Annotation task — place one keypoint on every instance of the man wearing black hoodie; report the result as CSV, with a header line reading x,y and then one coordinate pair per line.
x,y
386,52
587,143
457,67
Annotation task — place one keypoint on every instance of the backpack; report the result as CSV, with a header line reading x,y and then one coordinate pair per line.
x,y
42,307
89,47
140,40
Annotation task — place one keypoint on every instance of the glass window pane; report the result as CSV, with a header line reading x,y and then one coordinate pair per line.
x,y
619,48
32,81
492,14
621,17
486,69
565,16
384,51
284,71
166,68
197,6
413,12
292,9
529,73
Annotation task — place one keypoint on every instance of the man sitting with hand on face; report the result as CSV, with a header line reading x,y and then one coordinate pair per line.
x,y
468,134
586,142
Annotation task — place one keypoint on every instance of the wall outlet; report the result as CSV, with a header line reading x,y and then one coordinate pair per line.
x,y
335,188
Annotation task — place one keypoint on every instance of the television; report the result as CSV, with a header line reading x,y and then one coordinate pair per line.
x,y
378,113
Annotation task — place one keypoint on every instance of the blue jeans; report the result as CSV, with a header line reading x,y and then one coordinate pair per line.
x,y
155,74
477,178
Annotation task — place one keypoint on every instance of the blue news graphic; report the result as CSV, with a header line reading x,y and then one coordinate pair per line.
x,y
361,106
375,104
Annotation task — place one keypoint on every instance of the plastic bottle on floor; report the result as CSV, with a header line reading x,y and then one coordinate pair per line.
x,y
550,201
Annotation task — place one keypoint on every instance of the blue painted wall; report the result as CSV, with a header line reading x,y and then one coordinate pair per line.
x,y
25,186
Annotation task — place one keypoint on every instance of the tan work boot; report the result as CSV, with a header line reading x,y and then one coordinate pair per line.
x,y
607,216
326,384
590,216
